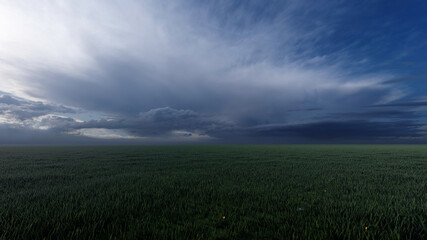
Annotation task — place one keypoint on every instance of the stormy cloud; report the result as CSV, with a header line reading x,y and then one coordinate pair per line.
x,y
204,71
22,110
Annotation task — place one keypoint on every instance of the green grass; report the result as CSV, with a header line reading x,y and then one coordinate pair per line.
x,y
183,192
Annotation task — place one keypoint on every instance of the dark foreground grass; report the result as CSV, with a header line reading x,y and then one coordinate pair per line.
x,y
264,192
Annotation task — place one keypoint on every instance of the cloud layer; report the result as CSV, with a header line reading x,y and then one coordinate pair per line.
x,y
194,71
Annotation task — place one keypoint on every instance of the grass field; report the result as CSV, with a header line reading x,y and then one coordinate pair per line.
x,y
214,192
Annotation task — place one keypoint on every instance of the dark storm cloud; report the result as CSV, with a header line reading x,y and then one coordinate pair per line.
x,y
8,100
26,109
163,121
127,87
352,130
334,132
156,122
17,135
235,76
385,114
59,124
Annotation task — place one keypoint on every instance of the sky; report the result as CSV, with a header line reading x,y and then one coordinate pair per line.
x,y
212,72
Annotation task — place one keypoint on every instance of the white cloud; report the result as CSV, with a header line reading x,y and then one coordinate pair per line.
x,y
103,133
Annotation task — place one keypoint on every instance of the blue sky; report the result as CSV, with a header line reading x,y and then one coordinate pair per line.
x,y
160,72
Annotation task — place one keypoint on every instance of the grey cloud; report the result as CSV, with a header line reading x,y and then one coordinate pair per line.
x,y
26,109
223,74
366,115
217,77
153,123
362,130
167,114
405,79
355,131
8,100
305,109
161,122
58,124
18,135
414,103
130,88
157,122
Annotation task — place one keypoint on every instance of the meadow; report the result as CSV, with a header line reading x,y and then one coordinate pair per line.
x,y
214,192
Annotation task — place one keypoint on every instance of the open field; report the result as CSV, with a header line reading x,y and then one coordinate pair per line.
x,y
184,192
